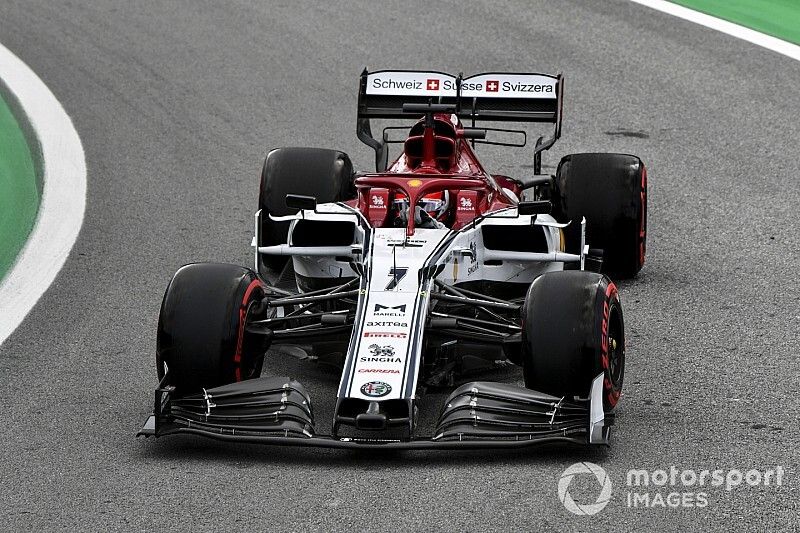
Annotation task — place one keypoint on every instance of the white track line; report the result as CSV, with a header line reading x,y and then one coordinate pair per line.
x,y
752,36
63,198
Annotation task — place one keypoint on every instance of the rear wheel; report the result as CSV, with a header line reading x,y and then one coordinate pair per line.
x,y
573,331
325,174
610,190
201,327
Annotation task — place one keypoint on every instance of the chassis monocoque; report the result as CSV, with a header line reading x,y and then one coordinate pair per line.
x,y
358,270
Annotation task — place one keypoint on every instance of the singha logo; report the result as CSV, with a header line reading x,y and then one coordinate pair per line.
x,y
377,201
465,204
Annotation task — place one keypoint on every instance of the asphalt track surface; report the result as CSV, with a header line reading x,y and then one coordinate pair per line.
x,y
177,103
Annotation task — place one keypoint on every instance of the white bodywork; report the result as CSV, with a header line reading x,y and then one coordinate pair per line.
x,y
385,350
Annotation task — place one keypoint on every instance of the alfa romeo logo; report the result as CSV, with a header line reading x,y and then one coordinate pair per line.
x,y
376,389
583,469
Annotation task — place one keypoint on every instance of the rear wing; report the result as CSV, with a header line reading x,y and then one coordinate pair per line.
x,y
491,96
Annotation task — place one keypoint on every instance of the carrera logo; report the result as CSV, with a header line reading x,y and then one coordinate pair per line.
x,y
432,85
378,371
387,310
492,86
385,334
509,87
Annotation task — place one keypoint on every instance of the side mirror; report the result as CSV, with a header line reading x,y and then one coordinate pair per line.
x,y
540,207
473,133
298,201
537,180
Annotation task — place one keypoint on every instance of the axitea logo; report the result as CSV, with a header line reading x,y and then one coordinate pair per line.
x,y
665,488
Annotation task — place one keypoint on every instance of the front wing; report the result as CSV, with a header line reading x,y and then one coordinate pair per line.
x,y
278,411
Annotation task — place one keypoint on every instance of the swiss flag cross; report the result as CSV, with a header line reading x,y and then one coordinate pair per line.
x,y
492,86
433,85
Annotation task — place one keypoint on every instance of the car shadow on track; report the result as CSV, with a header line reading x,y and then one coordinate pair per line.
x,y
188,448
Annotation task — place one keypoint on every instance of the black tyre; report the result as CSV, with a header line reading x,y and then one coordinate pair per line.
x,y
324,174
610,190
201,333
572,331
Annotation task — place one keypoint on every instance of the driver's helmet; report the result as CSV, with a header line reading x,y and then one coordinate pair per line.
x,y
434,204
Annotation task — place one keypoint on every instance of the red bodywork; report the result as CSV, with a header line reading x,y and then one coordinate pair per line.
x,y
434,160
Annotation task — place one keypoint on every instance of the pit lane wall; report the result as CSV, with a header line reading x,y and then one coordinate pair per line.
x,y
20,179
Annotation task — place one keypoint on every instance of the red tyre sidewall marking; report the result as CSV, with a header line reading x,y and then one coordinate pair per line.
x,y
609,296
237,356
643,222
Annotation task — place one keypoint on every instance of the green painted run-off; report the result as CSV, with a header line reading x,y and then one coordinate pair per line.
x,y
19,195
779,18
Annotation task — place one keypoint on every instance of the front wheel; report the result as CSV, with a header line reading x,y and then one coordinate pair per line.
x,y
610,190
572,331
202,341
327,175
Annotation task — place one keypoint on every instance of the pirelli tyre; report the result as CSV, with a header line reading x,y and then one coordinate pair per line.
x,y
201,339
572,331
610,190
325,174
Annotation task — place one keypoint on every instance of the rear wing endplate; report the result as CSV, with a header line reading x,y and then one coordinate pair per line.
x,y
490,96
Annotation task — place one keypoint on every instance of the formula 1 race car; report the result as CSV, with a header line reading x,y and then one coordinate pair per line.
x,y
413,277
